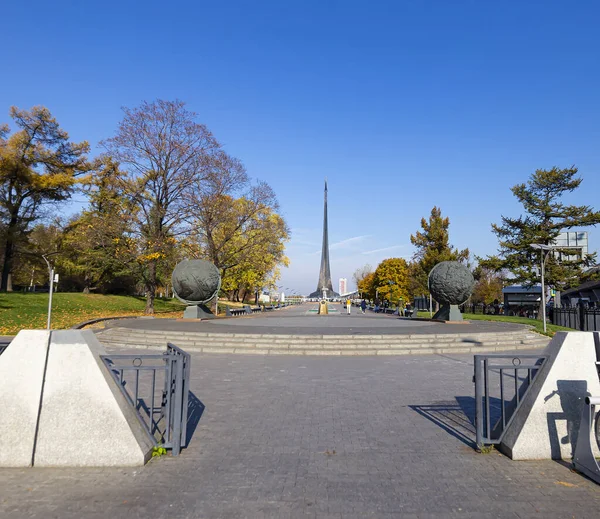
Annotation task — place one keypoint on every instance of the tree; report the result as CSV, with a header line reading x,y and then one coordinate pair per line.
x,y
433,247
361,273
366,286
29,268
391,279
92,239
488,285
415,281
236,220
544,219
164,153
38,165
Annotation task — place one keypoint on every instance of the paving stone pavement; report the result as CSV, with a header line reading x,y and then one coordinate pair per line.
x,y
300,320
320,437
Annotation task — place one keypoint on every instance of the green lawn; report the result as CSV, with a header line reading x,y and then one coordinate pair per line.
x,y
27,310
537,325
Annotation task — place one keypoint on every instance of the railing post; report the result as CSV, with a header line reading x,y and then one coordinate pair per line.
x,y
582,319
478,400
178,398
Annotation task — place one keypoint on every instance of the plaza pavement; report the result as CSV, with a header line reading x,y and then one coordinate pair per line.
x,y
320,437
302,320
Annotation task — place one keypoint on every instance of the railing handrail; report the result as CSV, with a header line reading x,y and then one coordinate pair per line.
x,y
175,365
481,378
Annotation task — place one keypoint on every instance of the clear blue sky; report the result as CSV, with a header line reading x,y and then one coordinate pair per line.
x,y
402,105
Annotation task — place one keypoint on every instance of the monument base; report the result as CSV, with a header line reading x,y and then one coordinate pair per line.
x,y
448,313
198,312
323,308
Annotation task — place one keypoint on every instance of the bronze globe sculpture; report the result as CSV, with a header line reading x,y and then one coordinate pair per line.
x,y
195,283
451,284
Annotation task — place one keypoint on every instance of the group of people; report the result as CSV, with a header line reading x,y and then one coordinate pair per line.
x,y
363,307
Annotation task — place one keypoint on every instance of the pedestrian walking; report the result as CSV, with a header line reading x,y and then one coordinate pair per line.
x,y
348,305
363,306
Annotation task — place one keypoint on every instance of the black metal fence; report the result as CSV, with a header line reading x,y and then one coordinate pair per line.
x,y
480,308
157,387
578,318
501,382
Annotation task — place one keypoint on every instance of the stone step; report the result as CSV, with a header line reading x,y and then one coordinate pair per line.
x,y
187,336
125,332
336,352
392,341
262,344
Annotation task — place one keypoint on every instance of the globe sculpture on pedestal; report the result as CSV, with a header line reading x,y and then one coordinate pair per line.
x,y
195,283
450,284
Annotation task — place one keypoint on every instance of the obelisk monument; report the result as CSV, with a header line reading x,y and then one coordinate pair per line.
x,y
324,287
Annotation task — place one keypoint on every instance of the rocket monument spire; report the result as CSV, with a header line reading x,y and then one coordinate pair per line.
x,y
324,273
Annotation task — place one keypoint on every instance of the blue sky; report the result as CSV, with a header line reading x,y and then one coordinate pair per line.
x,y
402,105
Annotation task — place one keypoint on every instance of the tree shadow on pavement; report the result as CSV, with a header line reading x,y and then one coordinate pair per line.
x,y
456,417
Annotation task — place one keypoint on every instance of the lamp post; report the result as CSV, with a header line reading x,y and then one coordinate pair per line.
x,y
543,256
50,287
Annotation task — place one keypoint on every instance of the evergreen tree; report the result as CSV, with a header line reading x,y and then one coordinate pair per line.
x,y
544,218
433,246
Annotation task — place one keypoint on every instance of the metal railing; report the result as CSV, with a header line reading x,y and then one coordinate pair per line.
x,y
157,387
3,346
501,382
480,308
578,318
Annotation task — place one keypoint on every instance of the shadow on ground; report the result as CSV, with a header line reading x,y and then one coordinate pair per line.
x,y
456,417
195,410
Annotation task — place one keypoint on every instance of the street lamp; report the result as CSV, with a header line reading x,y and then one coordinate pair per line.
x,y
542,247
51,286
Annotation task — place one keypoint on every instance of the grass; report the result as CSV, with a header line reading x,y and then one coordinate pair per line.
x,y
537,325
29,310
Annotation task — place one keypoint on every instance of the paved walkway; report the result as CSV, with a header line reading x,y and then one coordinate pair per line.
x,y
301,321
321,437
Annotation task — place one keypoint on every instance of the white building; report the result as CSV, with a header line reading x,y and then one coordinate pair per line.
x,y
343,286
573,240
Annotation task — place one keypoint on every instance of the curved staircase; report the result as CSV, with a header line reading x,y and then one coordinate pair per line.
x,y
278,344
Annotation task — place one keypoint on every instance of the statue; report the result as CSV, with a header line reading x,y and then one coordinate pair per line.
x,y
450,284
195,283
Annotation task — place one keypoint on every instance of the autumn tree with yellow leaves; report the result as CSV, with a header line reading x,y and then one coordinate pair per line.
x,y
163,152
97,244
391,280
38,166
237,227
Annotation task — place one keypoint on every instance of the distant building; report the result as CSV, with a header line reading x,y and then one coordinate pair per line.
x,y
343,286
522,301
587,293
572,240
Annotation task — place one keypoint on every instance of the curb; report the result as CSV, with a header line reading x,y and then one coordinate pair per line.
x,y
79,326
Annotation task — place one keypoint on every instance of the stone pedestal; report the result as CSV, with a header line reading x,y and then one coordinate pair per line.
x,y
198,312
448,313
